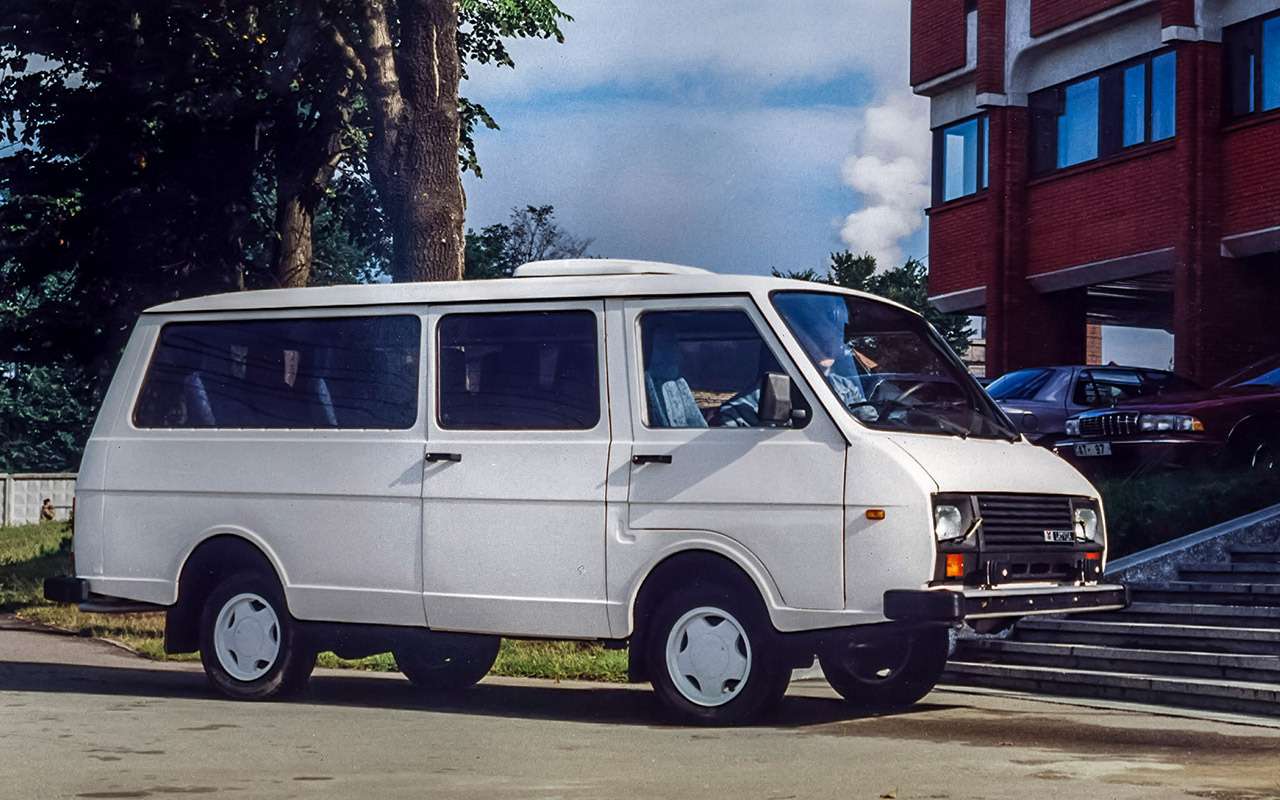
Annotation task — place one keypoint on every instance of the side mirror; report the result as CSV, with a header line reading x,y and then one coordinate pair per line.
x,y
775,401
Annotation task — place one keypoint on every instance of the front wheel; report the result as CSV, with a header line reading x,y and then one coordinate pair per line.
x,y
250,647
712,658
888,671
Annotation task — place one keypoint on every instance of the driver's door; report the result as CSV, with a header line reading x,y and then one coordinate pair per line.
x,y
777,491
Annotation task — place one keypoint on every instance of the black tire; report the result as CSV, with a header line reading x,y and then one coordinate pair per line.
x,y
442,662
284,674
1263,455
765,678
888,671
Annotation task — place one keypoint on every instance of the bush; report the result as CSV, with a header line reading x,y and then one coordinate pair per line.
x,y
1147,510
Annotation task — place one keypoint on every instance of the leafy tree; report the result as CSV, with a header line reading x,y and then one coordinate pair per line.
x,y
531,234
907,284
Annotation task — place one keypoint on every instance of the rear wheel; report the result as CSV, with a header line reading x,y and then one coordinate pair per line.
x,y
887,671
712,658
1263,455
250,647
447,661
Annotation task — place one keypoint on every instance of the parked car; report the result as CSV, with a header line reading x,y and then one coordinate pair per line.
x,y
1040,399
1236,423
730,474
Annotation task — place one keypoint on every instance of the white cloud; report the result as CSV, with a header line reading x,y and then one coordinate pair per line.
x,y
890,171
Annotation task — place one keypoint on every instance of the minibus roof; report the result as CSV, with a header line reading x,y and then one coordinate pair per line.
x,y
566,279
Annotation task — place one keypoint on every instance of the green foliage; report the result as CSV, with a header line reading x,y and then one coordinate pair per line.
x,y
531,234
1146,510
907,284
45,416
28,555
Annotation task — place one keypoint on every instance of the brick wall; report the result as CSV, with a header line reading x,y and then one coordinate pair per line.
x,y
937,38
1102,211
1248,202
1177,12
1049,15
960,250
1093,345
991,44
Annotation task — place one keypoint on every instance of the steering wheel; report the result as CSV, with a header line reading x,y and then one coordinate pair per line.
x,y
902,397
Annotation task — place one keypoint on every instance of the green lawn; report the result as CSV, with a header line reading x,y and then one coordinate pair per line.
x,y
30,553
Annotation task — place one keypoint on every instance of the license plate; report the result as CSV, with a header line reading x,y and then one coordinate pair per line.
x,y
1059,537
1092,449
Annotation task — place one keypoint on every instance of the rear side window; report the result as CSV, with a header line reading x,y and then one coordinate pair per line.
x,y
526,370
352,372
1101,387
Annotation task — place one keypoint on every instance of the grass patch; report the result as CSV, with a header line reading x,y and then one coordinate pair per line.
x,y
1147,510
31,553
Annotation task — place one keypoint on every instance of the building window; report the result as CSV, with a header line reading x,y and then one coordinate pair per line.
x,y
960,159
1101,114
1253,65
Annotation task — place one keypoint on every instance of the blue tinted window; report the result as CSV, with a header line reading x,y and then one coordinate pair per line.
x,y
960,160
1078,124
986,152
1164,91
1135,104
1271,64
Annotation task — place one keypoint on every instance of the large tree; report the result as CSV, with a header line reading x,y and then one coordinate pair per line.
x,y
906,284
530,234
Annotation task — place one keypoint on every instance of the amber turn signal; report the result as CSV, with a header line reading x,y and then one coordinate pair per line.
x,y
875,513
955,565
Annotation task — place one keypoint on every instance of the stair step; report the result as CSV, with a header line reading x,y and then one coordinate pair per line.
x,y
1150,636
1254,668
1255,553
1233,591
1213,614
1247,573
1221,695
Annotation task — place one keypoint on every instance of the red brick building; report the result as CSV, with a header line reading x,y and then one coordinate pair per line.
x,y
1105,161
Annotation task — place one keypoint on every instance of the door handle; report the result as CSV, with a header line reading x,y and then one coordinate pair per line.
x,y
651,459
442,456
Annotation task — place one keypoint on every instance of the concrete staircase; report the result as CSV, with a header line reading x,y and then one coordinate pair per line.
x,y
1209,639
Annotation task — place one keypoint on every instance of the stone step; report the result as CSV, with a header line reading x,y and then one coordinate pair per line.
x,y
1228,592
1150,636
1254,668
1217,573
1245,697
1224,616
1255,553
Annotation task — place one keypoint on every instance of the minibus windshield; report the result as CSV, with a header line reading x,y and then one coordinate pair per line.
x,y
889,367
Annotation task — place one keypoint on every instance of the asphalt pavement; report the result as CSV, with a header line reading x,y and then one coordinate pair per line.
x,y
83,719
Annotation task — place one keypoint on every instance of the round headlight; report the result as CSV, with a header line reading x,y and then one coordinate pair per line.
x,y
948,522
1086,524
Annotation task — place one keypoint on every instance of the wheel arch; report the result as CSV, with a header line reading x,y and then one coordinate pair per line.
x,y
1248,427
213,557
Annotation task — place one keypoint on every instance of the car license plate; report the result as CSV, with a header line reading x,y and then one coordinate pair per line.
x,y
1091,449
1059,537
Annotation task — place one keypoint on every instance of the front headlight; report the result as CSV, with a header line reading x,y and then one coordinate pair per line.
x,y
1086,520
948,522
1170,422
1073,427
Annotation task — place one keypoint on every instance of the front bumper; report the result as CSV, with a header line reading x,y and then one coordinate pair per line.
x,y
962,605
1149,452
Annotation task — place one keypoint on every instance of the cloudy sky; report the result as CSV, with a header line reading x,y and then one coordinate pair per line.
x,y
733,135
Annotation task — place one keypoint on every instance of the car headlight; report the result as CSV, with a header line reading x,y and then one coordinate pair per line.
x,y
1073,427
1169,422
1086,520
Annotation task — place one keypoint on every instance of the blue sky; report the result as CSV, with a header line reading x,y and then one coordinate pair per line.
x,y
737,136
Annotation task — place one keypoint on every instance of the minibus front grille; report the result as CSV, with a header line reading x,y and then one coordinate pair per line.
x,y
1022,519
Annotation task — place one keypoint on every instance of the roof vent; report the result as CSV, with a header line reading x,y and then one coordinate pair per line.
x,y
582,267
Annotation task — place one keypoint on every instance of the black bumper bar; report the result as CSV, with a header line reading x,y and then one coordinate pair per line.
x,y
947,605
65,589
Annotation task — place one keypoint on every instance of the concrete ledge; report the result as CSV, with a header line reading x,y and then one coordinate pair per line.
x,y
1161,563
1111,269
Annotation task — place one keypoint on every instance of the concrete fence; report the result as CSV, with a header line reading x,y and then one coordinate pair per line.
x,y
22,494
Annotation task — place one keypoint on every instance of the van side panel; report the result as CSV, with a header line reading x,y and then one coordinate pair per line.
x,y
338,511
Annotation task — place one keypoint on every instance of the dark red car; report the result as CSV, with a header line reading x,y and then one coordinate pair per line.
x,y
1236,423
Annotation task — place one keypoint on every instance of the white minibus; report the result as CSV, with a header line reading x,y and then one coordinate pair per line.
x,y
730,475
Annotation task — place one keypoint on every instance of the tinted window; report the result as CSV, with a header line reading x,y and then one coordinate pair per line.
x,y
704,368
1078,124
961,152
1135,104
1164,78
357,372
1106,386
528,370
1024,384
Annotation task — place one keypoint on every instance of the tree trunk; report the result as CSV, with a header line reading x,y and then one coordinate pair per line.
x,y
294,221
413,158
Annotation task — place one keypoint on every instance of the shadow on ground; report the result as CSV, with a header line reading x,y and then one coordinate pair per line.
x,y
629,705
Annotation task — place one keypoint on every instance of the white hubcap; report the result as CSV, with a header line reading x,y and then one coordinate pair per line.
x,y
246,637
708,656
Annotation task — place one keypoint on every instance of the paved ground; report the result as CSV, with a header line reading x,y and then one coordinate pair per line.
x,y
83,719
